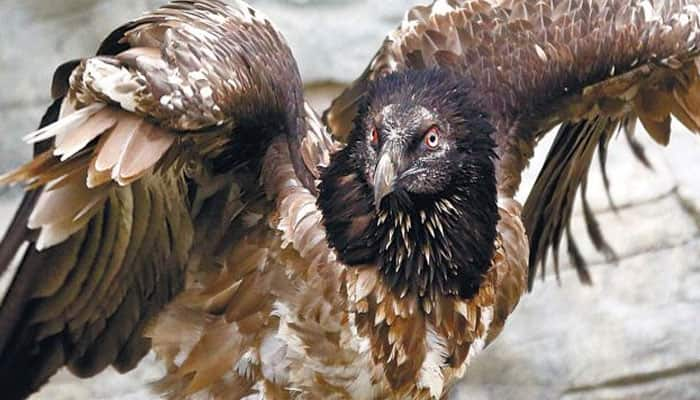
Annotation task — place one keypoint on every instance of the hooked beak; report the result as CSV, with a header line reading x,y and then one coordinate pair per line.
x,y
384,178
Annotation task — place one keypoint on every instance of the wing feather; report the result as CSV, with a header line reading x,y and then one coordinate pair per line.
x,y
73,141
113,145
176,109
143,151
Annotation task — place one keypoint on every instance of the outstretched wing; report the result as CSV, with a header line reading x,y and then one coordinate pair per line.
x,y
172,110
593,66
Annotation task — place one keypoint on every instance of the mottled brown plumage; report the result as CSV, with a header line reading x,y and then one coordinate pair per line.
x,y
173,195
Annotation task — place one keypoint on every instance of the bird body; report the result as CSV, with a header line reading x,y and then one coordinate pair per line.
x,y
183,197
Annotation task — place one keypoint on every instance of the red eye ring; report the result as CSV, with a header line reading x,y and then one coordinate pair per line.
x,y
432,138
375,136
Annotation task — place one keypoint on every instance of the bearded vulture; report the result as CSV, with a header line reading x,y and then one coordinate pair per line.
x,y
183,196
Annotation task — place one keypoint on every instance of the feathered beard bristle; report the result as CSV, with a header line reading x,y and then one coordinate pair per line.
x,y
428,245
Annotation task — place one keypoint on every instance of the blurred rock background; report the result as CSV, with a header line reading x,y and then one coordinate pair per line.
x,y
634,335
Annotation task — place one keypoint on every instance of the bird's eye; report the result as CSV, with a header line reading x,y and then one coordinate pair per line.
x,y
432,138
374,137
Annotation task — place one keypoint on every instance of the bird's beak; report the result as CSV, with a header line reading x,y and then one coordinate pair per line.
x,y
384,178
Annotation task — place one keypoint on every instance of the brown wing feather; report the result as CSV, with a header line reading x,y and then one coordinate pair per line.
x,y
127,164
593,65
631,59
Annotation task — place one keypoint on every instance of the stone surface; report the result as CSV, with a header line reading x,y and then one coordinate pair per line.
x,y
333,40
107,385
633,335
680,152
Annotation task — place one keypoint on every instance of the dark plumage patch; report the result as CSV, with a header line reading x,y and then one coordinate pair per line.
x,y
434,234
348,210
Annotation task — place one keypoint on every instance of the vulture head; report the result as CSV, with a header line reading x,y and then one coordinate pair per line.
x,y
414,190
